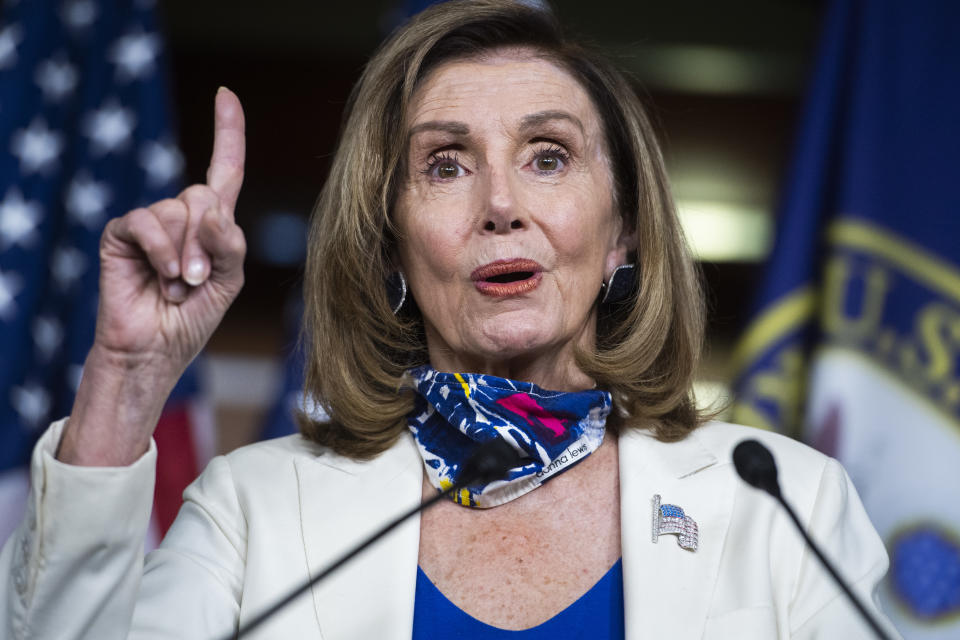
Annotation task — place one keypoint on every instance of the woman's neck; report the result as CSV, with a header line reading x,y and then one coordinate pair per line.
x,y
556,370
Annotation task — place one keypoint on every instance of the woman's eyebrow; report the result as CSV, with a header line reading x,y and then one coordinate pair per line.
x,y
449,126
534,120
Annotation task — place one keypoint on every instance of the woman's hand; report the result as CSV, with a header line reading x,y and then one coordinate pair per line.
x,y
169,271
168,274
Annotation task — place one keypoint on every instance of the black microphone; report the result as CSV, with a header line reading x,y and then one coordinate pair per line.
x,y
756,466
490,461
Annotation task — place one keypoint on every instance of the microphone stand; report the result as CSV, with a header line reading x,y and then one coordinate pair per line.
x,y
491,461
755,464
883,635
290,597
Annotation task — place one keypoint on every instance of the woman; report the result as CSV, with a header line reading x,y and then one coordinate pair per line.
x,y
499,176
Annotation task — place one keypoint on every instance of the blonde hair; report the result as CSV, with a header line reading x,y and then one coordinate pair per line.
x,y
648,347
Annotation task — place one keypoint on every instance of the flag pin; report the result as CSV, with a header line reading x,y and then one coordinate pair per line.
x,y
669,518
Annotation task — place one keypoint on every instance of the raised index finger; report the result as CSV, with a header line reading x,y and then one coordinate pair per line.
x,y
225,174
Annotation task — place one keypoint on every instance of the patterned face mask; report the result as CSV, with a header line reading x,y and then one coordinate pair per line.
x,y
456,411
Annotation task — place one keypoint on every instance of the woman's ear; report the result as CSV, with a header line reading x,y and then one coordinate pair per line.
x,y
622,245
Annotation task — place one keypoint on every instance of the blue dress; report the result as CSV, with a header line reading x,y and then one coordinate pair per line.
x,y
596,615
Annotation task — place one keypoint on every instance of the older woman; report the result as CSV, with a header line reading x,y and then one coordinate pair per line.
x,y
496,177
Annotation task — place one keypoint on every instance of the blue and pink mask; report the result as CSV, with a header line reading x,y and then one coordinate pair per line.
x,y
454,412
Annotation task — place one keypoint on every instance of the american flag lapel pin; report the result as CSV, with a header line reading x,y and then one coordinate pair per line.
x,y
669,518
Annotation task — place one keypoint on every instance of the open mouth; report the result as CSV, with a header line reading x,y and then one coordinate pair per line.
x,y
513,276
503,278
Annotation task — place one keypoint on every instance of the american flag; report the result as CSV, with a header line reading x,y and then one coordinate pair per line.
x,y
669,518
85,135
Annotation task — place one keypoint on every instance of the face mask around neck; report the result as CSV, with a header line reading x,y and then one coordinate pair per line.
x,y
454,412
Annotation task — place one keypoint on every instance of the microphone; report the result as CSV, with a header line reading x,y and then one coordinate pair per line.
x,y
755,464
492,460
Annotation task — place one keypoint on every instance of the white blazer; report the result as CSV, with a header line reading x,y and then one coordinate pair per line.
x,y
260,520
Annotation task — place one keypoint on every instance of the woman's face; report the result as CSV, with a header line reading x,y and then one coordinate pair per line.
x,y
506,217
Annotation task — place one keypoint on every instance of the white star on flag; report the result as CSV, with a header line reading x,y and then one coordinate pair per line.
x,y
87,201
79,14
32,402
18,220
56,78
10,286
161,161
47,335
109,128
10,37
66,266
134,55
37,147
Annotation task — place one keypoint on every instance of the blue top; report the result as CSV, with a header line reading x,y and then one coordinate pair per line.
x,y
596,615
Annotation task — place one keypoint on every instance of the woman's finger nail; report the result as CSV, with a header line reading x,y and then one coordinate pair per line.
x,y
194,273
177,291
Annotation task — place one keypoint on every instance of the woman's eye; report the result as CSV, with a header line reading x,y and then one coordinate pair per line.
x,y
550,160
547,163
447,170
444,167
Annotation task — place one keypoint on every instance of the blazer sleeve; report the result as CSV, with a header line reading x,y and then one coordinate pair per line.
x,y
72,567
839,523
192,584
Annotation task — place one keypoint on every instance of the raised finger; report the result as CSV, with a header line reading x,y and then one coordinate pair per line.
x,y
225,174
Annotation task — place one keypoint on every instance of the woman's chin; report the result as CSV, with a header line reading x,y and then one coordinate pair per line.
x,y
488,345
520,333
515,347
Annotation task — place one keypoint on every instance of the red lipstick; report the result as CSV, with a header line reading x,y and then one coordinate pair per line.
x,y
504,278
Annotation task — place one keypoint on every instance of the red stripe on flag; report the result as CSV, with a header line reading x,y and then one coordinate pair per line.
x,y
176,464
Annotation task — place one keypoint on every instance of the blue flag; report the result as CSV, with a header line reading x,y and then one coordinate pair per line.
x,y
85,135
855,344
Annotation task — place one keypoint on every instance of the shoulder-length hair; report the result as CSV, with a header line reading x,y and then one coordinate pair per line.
x,y
357,350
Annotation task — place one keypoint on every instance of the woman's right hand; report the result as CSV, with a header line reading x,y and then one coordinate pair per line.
x,y
168,273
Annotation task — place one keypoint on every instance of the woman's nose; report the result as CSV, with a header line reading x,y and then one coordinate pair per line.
x,y
491,225
502,212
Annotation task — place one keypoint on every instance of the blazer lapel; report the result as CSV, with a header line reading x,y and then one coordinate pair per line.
x,y
668,589
372,596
